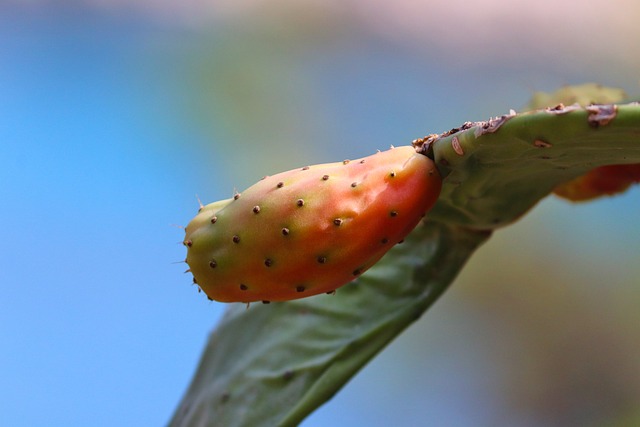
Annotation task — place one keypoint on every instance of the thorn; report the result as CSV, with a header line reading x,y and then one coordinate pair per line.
x,y
199,203
333,292
188,270
179,226
541,144
248,304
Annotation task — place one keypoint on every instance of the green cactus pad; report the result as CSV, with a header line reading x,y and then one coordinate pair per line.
x,y
495,171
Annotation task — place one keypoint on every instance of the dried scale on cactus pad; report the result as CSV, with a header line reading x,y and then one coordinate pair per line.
x,y
310,230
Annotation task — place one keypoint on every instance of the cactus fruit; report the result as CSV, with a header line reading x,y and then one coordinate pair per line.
x,y
310,230
605,180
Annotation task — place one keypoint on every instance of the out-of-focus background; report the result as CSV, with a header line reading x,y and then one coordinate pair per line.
x,y
115,114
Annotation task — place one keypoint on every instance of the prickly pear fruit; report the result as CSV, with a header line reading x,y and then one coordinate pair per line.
x,y
309,230
605,180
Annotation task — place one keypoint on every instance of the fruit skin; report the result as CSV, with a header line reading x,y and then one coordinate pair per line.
x,y
605,180
310,230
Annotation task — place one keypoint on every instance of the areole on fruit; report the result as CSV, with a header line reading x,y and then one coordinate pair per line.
x,y
309,230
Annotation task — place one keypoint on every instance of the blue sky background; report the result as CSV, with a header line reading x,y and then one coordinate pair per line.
x,y
112,122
